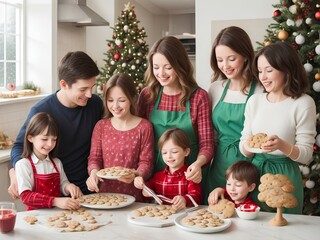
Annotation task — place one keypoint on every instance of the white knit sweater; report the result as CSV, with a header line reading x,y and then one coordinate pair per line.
x,y
293,120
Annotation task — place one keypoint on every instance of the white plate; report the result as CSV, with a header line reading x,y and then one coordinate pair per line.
x,y
109,176
253,150
154,221
130,200
178,221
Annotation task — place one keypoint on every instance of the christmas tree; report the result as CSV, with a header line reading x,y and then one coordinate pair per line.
x,y
298,22
127,50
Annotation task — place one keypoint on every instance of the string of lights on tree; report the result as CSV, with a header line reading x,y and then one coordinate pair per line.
x,y
127,50
298,22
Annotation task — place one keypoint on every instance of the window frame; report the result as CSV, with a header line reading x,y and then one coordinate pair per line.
x,y
19,39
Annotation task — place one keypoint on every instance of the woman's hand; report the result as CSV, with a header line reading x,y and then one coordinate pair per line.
x,y
273,143
93,180
194,173
138,182
127,178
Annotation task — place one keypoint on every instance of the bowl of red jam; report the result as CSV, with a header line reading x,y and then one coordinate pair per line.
x,y
7,217
248,211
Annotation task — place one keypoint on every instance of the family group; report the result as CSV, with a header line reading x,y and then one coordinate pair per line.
x,y
184,142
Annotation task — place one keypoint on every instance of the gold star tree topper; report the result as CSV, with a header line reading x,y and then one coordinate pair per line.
x,y
128,7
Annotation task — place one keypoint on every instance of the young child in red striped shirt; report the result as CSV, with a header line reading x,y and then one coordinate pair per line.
x,y
40,175
171,182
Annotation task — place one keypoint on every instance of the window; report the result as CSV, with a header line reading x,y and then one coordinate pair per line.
x,y
11,16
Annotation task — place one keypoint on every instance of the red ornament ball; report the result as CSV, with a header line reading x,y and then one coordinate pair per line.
x,y
11,86
277,13
315,147
116,56
317,15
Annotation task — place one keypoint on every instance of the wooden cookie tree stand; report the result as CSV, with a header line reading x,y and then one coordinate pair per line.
x,y
278,219
276,192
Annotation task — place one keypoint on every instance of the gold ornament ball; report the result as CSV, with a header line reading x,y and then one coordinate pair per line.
x,y
317,76
267,43
283,35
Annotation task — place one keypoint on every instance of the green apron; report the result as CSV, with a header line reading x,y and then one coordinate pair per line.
x,y
228,119
275,164
163,120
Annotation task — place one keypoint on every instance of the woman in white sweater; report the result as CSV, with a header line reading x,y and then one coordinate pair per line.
x,y
285,113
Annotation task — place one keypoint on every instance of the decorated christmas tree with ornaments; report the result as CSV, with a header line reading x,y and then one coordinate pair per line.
x,y
298,22
127,50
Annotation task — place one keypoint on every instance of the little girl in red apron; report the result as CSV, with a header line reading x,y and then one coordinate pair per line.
x,y
40,175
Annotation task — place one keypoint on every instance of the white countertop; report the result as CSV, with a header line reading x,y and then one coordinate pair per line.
x,y
5,155
299,227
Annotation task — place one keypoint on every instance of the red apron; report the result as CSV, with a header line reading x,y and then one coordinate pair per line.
x,y
46,184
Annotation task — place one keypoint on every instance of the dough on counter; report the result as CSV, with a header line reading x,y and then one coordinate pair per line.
x,y
30,219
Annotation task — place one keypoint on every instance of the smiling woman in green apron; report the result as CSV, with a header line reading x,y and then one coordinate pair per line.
x,y
231,58
285,113
172,98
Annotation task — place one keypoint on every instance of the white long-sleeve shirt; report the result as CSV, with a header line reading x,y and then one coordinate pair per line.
x,y
293,120
25,175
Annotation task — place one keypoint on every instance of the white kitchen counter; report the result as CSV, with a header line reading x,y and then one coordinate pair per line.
x,y
300,227
5,155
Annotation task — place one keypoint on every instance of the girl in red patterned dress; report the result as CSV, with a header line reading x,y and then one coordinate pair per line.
x,y
121,139
171,182
40,174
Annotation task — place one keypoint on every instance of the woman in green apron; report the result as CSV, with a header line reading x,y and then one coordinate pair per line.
x,y
231,57
172,98
285,113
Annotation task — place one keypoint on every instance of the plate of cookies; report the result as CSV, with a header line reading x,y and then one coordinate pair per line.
x,y
254,142
202,221
114,172
154,216
106,200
